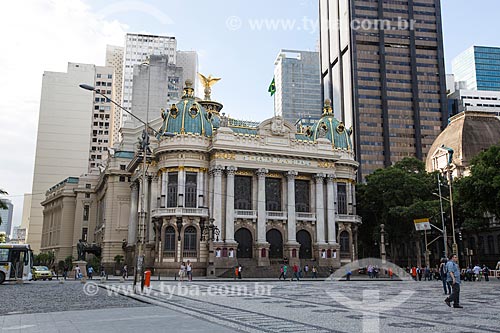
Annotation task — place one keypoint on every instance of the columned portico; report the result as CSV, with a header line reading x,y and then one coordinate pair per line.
x,y
320,213
132,224
292,244
262,244
217,196
230,171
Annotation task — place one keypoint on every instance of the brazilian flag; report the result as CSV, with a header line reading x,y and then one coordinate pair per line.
x,y
272,88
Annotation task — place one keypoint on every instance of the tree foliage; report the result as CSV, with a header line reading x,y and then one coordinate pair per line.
x,y
479,193
395,196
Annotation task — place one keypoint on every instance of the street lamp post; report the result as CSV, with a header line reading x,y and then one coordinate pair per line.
x,y
144,147
383,255
212,233
445,236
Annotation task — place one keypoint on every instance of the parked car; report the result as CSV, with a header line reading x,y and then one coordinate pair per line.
x,y
41,273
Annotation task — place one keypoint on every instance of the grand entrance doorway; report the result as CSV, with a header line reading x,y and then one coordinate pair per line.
x,y
245,242
304,238
275,240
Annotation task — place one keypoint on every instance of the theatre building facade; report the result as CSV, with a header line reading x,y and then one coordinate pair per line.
x,y
219,191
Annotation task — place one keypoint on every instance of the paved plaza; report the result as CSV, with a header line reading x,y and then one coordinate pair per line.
x,y
248,306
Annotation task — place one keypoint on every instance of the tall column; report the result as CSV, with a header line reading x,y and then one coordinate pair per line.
x,y
261,206
217,204
330,209
291,225
163,189
201,188
153,206
181,183
210,192
320,212
230,170
132,222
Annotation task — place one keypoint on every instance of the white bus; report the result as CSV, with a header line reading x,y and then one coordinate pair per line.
x,y
16,262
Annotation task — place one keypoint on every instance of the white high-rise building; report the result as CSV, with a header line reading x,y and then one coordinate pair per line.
x,y
298,85
138,48
114,58
64,130
188,61
6,216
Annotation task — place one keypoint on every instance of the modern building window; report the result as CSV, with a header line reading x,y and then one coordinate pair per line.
x,y
191,195
190,241
172,189
88,185
122,178
87,195
302,203
169,246
86,210
273,194
243,192
122,166
341,198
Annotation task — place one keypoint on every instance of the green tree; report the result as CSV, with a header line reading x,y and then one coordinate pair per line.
x,y
2,204
3,237
395,196
479,193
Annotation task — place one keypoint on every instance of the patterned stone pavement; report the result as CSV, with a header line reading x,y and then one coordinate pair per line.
x,y
355,306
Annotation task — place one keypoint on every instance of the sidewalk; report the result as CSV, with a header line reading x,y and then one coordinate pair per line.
x,y
137,319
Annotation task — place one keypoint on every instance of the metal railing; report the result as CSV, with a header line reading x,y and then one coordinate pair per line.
x,y
276,215
189,254
245,214
348,218
168,254
302,216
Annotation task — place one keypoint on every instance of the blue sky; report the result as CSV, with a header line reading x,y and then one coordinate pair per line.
x,y
226,34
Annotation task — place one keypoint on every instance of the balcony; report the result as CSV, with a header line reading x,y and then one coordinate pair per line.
x,y
245,214
180,211
276,215
345,218
301,216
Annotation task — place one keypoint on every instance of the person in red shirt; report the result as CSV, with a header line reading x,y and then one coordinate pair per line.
x,y
295,272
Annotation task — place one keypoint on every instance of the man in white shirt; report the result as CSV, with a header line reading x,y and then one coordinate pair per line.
x,y
477,271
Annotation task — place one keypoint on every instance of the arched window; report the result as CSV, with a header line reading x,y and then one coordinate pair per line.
x,y
344,243
169,246
190,242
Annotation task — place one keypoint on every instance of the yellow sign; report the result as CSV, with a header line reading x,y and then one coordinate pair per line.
x,y
421,221
422,224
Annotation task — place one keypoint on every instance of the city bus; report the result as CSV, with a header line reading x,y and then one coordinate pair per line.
x,y
16,262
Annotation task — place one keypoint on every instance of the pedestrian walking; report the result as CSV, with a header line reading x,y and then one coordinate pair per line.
x,y
90,272
348,274
65,272
239,271
282,273
453,277
102,271
391,275
306,270
236,270
315,272
486,273
182,271
295,272
189,270
125,272
444,276
77,272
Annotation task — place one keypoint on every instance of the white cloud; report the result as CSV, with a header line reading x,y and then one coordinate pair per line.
x,y
38,36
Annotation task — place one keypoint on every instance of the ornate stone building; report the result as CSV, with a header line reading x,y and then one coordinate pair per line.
x,y
272,192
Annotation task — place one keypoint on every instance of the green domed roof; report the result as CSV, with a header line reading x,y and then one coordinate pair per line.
x,y
328,127
187,116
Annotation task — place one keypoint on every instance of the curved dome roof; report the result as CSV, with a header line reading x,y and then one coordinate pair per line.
x,y
468,133
330,128
187,116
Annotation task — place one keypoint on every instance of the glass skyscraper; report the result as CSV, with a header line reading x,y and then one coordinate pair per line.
x,y
298,88
479,68
382,64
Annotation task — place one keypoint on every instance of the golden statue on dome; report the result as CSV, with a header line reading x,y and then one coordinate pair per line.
x,y
207,82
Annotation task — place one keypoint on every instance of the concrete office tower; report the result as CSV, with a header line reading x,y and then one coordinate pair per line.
x,y
114,58
6,216
382,63
152,84
298,86
64,131
138,48
473,100
102,115
479,67
188,61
